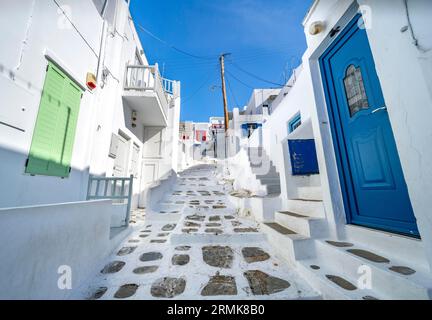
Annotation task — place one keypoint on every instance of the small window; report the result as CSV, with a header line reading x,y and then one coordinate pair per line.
x,y
294,123
355,90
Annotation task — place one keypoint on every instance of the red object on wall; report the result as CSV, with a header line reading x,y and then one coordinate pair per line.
x,y
200,135
91,81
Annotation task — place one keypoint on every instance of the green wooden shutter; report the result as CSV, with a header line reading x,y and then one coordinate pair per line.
x,y
54,133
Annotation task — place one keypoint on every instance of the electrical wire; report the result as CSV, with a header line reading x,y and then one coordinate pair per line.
x,y
232,92
413,36
238,80
256,77
172,46
76,29
204,83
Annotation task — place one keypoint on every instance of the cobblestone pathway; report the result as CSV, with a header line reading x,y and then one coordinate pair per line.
x,y
207,253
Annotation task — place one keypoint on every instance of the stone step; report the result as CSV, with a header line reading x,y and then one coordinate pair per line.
x,y
263,169
310,193
390,284
306,207
307,226
272,189
289,245
320,280
269,180
271,174
228,238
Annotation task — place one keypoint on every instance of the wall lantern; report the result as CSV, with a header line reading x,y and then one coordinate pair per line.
x,y
316,27
91,81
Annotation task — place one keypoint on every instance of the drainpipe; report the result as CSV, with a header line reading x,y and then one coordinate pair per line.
x,y
25,40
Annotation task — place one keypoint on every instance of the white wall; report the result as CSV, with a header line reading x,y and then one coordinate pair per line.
x,y
40,30
36,241
405,73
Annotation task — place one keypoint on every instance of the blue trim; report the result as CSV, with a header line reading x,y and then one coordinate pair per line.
x,y
339,139
294,123
303,157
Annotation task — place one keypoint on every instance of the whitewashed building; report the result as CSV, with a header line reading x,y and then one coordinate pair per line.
x,y
79,100
185,150
124,126
348,141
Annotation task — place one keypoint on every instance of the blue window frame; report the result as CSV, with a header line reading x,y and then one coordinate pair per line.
x,y
294,123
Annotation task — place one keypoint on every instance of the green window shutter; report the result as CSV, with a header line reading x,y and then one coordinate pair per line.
x,y
54,133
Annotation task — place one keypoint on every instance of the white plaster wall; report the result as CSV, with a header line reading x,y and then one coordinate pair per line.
x,y
275,133
406,84
41,30
405,75
38,30
36,241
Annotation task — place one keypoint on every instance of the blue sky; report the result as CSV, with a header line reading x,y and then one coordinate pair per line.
x,y
264,37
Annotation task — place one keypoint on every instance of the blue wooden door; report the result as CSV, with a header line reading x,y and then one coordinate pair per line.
x,y
373,185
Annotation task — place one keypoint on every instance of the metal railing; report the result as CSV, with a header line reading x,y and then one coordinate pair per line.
x,y
115,188
142,78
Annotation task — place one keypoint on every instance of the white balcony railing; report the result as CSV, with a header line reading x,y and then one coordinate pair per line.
x,y
147,78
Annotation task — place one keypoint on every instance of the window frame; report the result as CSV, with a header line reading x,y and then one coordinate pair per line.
x,y
294,123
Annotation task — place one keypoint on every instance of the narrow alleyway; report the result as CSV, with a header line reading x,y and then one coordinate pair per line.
x,y
209,253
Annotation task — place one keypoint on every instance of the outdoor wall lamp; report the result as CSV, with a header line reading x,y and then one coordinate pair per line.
x,y
316,27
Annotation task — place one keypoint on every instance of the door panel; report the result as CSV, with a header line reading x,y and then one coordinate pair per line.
x,y
373,185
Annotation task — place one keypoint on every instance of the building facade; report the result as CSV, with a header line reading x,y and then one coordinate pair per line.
x,y
80,99
349,147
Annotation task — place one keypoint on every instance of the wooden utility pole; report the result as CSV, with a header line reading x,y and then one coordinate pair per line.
x,y
225,102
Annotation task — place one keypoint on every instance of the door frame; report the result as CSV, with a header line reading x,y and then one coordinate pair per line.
x,y
338,139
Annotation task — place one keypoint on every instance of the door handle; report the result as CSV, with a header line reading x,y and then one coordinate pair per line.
x,y
379,109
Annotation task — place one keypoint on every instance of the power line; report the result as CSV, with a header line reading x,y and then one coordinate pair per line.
x,y
243,83
232,93
188,98
257,77
76,29
172,46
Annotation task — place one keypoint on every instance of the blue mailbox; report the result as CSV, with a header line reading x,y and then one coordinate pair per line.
x,y
303,157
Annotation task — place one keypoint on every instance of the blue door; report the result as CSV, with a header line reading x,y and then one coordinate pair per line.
x,y
373,185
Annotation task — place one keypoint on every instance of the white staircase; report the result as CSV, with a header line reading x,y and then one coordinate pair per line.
x,y
338,268
264,170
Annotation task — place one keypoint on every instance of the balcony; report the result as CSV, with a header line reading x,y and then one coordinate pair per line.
x,y
147,93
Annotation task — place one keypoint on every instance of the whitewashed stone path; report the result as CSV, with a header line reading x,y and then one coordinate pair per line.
x,y
206,252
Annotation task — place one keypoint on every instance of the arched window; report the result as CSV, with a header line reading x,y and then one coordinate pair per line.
x,y
355,91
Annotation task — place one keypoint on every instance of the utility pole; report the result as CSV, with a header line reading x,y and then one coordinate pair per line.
x,y
222,65
225,102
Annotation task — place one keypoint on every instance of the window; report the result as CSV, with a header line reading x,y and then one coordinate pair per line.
x,y
294,123
54,134
249,128
355,91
